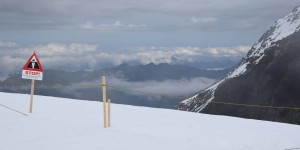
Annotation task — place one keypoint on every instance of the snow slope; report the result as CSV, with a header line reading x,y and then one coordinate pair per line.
x,y
64,124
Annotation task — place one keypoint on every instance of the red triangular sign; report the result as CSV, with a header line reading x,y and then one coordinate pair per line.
x,y
33,63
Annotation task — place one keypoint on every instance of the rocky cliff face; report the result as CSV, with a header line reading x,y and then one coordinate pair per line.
x,y
268,75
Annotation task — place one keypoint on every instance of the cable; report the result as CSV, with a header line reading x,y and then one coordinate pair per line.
x,y
13,110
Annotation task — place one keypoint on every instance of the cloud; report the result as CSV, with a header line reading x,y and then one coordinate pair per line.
x,y
109,8
56,49
10,65
170,87
166,87
83,56
7,44
195,20
186,54
13,13
116,26
228,51
74,56
138,23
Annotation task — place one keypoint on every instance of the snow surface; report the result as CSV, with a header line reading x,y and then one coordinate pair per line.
x,y
65,124
238,71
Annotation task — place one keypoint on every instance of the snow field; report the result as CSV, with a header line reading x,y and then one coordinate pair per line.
x,y
65,124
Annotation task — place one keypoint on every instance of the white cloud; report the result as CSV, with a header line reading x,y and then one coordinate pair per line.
x,y
74,56
195,20
166,87
56,49
10,65
7,44
82,56
115,26
186,54
170,87
228,51
78,55
88,25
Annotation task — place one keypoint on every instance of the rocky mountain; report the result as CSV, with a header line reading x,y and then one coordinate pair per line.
x,y
125,76
268,76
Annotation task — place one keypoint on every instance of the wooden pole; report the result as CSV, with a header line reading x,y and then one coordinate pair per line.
x,y
108,110
31,95
104,99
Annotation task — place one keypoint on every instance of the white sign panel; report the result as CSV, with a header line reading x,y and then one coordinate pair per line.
x,y
35,75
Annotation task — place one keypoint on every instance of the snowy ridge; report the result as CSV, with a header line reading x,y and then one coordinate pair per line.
x,y
238,71
211,91
281,29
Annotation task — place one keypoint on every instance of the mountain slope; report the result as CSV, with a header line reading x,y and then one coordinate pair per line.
x,y
268,75
63,124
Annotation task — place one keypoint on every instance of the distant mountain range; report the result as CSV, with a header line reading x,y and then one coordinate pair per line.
x,y
268,76
123,75
162,72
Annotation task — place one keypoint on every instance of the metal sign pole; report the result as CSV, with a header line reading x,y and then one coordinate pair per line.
x,y
31,95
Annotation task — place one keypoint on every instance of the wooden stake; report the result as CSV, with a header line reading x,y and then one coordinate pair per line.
x,y
108,114
104,99
31,95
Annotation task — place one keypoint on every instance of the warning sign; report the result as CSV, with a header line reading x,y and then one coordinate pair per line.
x,y
33,68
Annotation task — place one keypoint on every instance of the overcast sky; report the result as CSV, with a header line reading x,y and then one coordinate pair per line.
x,y
117,31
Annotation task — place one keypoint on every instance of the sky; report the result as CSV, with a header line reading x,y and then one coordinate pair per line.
x,y
91,34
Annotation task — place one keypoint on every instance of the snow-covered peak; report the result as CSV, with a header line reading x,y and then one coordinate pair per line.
x,y
280,30
286,26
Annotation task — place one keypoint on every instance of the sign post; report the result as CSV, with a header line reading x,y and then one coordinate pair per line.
x,y
31,95
32,70
104,99
108,112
